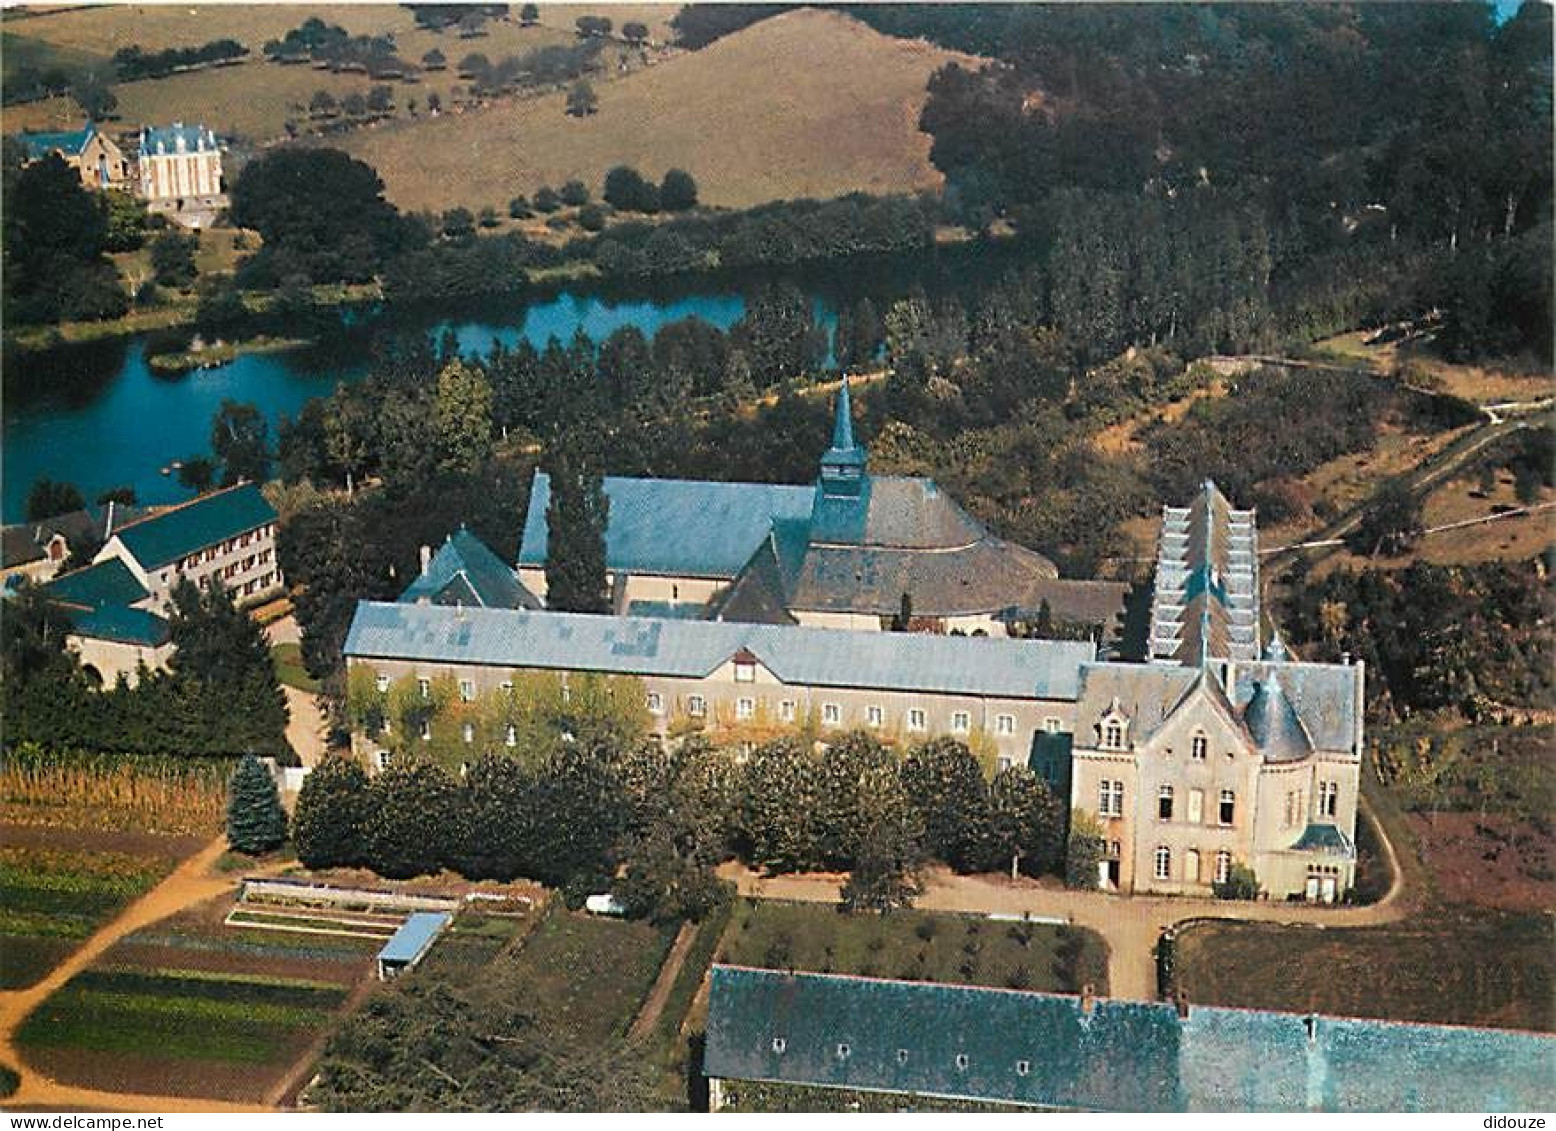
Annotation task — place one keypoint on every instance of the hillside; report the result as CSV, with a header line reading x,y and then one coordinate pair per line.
x,y
254,100
808,103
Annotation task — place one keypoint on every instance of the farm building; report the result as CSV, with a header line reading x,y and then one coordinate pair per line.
x,y
1076,1053
91,153
410,944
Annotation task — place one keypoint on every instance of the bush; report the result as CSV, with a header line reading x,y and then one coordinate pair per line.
x,y
627,191
1240,883
591,217
546,199
327,827
677,192
1083,852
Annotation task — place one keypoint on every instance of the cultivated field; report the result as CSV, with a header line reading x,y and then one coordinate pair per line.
x,y
193,1007
1459,968
589,974
807,104
83,837
916,946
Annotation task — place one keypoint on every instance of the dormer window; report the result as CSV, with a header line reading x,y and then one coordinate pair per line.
x,y
1113,735
745,671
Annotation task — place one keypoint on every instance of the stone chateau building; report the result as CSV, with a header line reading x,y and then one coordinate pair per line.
x,y
746,608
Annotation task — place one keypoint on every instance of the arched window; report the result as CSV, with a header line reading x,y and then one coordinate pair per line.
x,y
1164,863
1164,803
1223,866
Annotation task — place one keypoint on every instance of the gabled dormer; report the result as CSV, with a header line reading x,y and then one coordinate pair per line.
x,y
1113,729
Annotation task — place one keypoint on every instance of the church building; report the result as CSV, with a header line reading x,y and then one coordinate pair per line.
x,y
853,550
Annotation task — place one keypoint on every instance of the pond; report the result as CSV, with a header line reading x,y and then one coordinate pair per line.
x,y
97,416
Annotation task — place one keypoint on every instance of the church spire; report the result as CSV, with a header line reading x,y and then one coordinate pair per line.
x,y
842,467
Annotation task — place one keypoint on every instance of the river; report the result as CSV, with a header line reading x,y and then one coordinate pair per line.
x,y
95,415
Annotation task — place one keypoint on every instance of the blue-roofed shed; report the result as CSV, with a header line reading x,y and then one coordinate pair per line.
x,y
410,944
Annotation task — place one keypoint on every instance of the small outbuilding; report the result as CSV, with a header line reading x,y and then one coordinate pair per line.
x,y
410,944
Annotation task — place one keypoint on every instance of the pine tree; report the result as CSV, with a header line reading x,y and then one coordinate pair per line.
x,y
327,827
575,522
255,820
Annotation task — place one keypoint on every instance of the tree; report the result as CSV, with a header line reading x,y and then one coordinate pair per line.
x,y
947,789
1390,523
458,224
434,60
240,437
255,820
197,473
591,218
627,191
331,810
173,258
462,418
666,883
576,519
434,103
885,875
55,233
678,191
410,820
380,100
1084,851
546,199
575,194
518,208
323,104
126,229
858,788
354,105
222,313
781,797
488,217
48,498
96,99
581,99
634,32
1024,829
124,496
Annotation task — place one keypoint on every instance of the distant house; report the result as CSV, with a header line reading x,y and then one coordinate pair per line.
x,y
989,1046
118,605
36,550
227,536
180,174
93,154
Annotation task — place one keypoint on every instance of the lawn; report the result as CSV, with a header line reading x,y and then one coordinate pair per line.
x,y
806,104
916,946
288,659
590,973
1450,967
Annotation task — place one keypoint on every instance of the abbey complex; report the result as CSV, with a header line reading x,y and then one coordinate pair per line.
x,y
744,610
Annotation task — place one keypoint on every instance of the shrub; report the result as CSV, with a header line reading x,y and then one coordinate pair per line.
x,y
255,820
1083,852
327,827
591,217
1240,883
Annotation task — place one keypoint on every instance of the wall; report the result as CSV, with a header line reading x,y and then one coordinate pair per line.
x,y
113,659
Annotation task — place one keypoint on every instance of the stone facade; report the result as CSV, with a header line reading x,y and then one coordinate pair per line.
x,y
180,174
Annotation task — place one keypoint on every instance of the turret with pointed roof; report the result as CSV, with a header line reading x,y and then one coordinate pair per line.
x,y
843,472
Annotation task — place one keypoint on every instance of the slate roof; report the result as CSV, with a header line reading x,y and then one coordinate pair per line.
x,y
1046,1050
465,572
1206,604
38,145
683,527
1018,669
1273,724
1319,837
99,599
106,583
24,542
179,531
119,623
1325,699
156,141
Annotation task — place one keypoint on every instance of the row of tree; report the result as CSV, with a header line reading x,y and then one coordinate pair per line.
x,y
663,818
135,62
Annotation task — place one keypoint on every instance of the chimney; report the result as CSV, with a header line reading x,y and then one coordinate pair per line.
x,y
1310,1023
426,559
1088,997
108,526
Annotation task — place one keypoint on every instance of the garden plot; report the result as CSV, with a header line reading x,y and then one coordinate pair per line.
x,y
192,1006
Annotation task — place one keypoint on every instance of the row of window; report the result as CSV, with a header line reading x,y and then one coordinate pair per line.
x,y
1327,803
1191,865
210,553
844,1050
1113,739
1165,801
745,709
